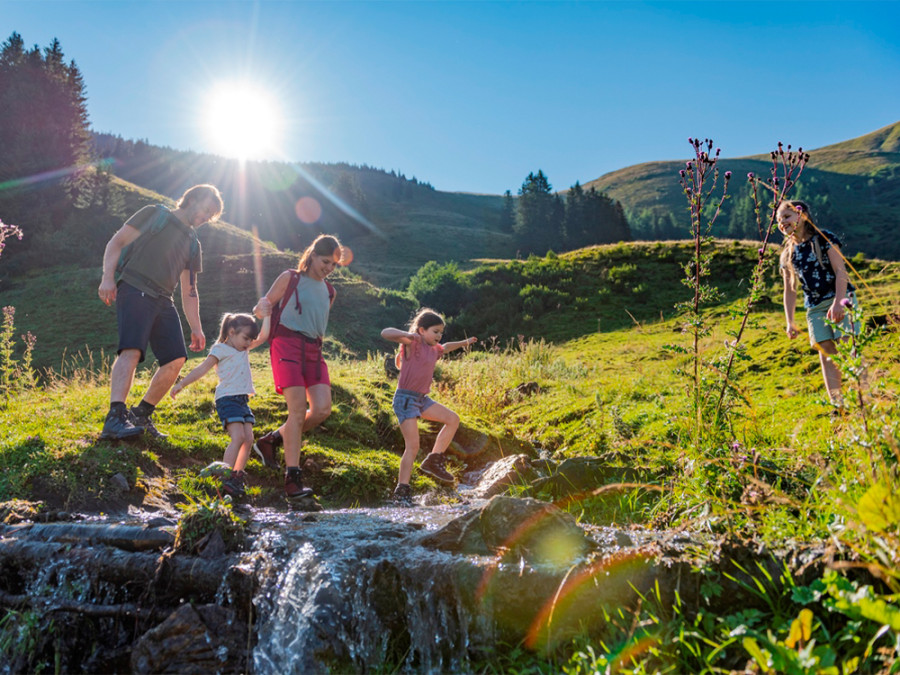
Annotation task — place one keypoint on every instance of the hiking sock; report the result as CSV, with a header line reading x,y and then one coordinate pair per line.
x,y
116,408
144,409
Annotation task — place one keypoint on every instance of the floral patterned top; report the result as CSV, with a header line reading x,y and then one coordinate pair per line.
x,y
816,278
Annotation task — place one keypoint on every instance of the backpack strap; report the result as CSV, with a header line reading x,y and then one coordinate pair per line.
x,y
291,289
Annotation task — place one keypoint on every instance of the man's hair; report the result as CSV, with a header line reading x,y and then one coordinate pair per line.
x,y
200,193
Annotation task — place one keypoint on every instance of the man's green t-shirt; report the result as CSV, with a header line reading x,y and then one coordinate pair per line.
x,y
153,262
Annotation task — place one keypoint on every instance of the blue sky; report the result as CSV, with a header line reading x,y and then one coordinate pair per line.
x,y
473,96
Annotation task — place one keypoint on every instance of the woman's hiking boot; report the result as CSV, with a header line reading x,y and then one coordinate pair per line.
x,y
265,448
234,485
293,485
402,495
145,422
118,426
433,466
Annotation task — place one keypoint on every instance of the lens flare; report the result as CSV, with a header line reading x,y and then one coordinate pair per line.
x,y
308,210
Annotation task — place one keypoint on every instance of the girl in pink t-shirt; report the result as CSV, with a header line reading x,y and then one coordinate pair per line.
x,y
420,348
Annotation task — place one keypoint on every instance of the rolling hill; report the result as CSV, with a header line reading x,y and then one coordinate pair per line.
x,y
854,188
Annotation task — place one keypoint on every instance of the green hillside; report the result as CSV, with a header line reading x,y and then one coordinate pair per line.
x,y
854,187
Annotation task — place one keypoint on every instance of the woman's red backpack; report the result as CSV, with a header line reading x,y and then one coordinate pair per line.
x,y
291,290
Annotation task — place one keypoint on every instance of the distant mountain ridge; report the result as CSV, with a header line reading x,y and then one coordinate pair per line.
x,y
854,187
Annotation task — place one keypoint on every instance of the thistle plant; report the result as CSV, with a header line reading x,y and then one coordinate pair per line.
x,y
7,231
699,180
786,169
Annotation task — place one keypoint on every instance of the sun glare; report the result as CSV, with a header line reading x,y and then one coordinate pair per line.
x,y
243,121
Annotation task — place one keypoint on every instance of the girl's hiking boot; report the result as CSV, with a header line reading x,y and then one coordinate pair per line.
x,y
402,495
118,426
293,485
265,448
145,422
234,485
433,466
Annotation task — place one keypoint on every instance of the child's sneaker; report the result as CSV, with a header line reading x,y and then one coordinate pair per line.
x,y
145,422
402,495
433,466
293,485
234,485
265,448
118,426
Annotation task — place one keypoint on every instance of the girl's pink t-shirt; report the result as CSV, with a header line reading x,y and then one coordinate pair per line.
x,y
417,366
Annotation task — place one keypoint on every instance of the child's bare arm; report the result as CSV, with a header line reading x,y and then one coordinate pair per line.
x,y
208,363
397,335
263,332
450,346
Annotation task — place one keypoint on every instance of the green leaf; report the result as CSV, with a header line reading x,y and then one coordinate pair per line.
x,y
879,508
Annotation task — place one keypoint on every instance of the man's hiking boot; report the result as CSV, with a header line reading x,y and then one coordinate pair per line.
x,y
265,448
433,466
293,485
145,422
402,495
234,485
118,426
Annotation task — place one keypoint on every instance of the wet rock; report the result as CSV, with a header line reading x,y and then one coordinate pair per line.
x,y
205,639
528,528
515,469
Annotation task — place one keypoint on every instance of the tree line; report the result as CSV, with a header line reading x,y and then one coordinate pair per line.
x,y
542,220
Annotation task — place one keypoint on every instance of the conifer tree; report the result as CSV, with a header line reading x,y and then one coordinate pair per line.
x,y
508,214
535,226
43,133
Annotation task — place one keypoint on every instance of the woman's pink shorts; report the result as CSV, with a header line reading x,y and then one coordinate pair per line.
x,y
297,362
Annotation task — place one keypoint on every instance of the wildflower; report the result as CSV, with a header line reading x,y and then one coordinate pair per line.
x,y
727,175
750,176
682,173
761,251
846,302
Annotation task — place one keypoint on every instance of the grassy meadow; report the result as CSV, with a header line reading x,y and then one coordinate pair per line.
x,y
779,467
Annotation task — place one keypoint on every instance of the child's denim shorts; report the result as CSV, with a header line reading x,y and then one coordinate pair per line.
x,y
409,404
819,330
234,409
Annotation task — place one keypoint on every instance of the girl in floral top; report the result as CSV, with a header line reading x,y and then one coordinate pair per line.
x,y
811,259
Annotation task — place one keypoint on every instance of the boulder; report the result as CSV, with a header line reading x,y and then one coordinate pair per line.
x,y
511,470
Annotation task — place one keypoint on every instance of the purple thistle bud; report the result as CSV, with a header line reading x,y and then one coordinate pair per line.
x,y
846,302
688,165
718,151
682,173
727,175
750,176
789,146
690,140
760,251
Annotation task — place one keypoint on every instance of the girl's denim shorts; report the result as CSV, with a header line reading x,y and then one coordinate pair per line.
x,y
234,409
409,404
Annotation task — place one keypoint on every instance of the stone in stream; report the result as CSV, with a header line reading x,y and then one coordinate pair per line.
x,y
536,531
511,470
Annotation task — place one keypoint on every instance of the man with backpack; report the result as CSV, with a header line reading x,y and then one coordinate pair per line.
x,y
143,263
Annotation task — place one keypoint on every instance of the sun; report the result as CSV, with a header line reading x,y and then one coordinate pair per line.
x,y
243,121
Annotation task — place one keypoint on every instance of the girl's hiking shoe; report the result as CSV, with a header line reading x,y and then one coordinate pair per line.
x,y
402,495
265,448
234,485
293,485
145,422
433,466
118,426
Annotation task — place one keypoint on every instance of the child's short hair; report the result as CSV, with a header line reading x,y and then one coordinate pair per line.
x,y
238,322
425,318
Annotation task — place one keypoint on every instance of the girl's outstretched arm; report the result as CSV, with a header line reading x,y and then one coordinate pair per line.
x,y
790,304
397,335
450,346
194,375
263,333
836,311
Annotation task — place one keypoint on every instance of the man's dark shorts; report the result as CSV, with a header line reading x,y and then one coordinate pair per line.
x,y
147,320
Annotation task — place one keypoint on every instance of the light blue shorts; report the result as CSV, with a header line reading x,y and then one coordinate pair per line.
x,y
819,330
408,404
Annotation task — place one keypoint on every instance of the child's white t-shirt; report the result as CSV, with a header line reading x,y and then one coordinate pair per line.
x,y
233,368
